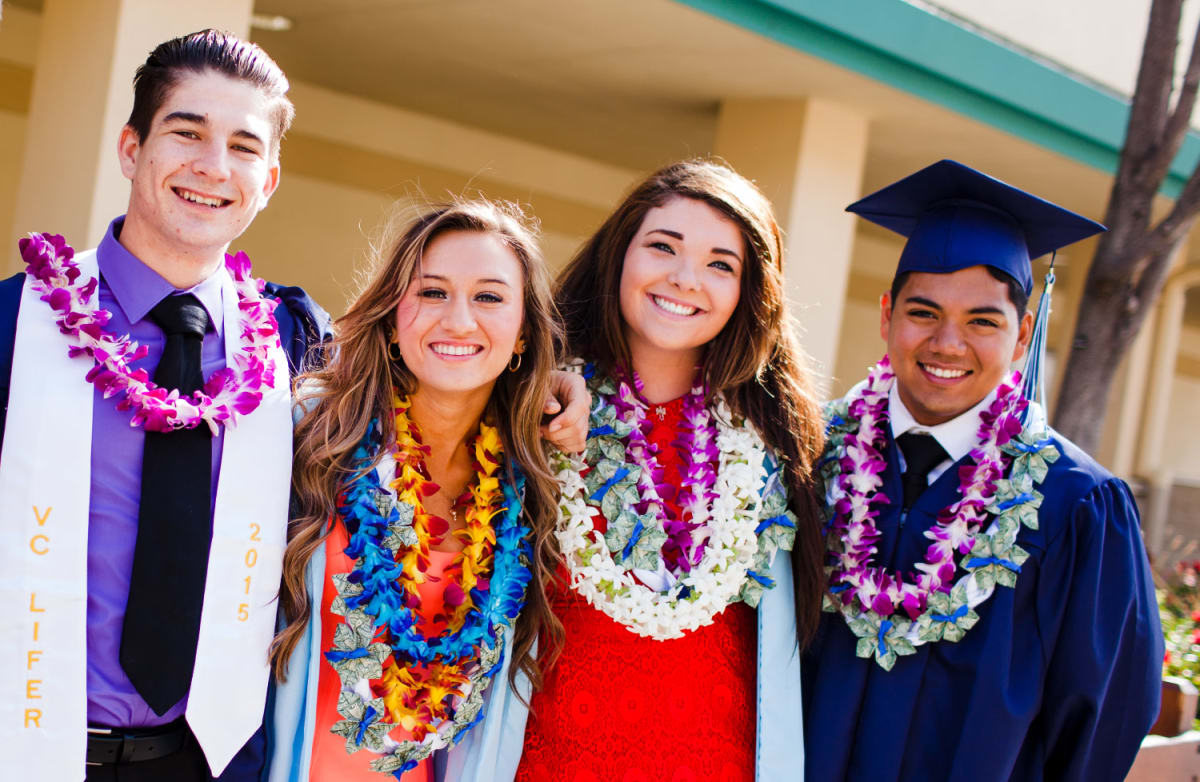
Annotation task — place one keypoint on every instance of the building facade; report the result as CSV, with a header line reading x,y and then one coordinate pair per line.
x,y
562,106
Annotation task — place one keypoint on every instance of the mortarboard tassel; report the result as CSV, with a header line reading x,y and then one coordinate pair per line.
x,y
1034,387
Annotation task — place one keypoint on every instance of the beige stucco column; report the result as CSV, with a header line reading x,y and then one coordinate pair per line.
x,y
807,156
1125,417
1151,466
87,53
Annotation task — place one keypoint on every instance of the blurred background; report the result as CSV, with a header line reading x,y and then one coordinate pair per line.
x,y
563,104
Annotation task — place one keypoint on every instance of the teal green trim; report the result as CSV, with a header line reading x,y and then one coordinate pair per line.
x,y
931,57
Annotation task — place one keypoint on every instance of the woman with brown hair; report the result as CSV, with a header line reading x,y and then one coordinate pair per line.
x,y
421,535
682,613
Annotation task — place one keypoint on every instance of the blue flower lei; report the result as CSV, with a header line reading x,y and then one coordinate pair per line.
x,y
374,519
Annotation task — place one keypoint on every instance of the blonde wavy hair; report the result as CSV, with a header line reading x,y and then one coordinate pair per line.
x,y
354,386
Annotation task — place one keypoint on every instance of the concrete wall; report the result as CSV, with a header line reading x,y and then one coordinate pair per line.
x,y
1101,39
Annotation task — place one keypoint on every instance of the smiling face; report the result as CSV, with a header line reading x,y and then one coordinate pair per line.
x,y
951,339
202,173
459,319
680,281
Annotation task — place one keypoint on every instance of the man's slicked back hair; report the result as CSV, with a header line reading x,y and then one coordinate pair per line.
x,y
202,51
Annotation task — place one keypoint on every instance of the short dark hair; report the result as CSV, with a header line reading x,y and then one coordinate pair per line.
x,y
1016,291
197,52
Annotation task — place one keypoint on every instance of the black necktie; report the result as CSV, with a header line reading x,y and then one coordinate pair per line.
x,y
170,559
922,453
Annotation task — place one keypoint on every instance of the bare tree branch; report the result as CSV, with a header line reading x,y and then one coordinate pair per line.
x,y
1170,229
1152,95
1155,272
1181,117
1132,260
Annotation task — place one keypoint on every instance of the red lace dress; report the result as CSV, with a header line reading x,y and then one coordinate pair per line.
x,y
623,708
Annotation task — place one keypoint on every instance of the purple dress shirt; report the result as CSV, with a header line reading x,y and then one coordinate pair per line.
x,y
129,290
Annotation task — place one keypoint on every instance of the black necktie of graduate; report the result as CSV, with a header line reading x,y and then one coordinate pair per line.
x,y
170,559
922,453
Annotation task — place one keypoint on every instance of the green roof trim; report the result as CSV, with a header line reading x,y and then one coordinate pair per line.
x,y
929,56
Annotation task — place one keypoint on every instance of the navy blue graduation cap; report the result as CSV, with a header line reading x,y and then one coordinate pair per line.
x,y
956,217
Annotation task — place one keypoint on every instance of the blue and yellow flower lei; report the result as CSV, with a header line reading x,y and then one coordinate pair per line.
x,y
379,643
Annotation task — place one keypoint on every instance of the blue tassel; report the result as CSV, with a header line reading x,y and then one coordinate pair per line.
x,y
1034,387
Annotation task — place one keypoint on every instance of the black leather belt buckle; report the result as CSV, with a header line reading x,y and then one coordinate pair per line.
x,y
108,746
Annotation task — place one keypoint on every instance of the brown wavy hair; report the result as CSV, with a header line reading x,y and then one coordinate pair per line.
x,y
755,361
354,386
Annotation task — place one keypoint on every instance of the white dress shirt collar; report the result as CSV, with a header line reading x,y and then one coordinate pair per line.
x,y
957,436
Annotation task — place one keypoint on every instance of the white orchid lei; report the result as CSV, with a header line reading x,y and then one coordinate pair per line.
x,y
892,616
736,516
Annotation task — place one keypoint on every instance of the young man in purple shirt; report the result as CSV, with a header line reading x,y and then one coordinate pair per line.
x,y
172,560
201,150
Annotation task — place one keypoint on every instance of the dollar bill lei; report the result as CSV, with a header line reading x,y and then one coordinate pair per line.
x,y
660,576
890,615
391,673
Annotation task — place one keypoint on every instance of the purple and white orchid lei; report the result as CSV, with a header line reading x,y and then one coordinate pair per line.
x,y
890,614
228,393
687,535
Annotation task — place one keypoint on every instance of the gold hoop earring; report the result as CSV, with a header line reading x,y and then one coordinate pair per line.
x,y
393,351
514,367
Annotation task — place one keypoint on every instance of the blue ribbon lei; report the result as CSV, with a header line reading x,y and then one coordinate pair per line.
x,y
1039,445
782,521
369,716
764,580
337,656
600,492
1020,499
959,613
633,539
983,561
884,626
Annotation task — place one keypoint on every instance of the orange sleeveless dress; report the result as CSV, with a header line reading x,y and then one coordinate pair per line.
x,y
330,761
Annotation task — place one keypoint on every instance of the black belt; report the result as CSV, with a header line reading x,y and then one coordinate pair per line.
x,y
109,746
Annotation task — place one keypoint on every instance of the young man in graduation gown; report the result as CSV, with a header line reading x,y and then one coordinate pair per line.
x,y
992,615
127,642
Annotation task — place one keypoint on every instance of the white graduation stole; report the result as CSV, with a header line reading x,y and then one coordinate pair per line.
x,y
45,470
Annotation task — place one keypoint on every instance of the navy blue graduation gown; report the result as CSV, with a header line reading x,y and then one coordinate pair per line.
x,y
1059,680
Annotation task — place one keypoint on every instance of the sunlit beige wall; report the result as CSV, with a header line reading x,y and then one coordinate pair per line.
x,y
12,142
1102,40
345,163
1182,445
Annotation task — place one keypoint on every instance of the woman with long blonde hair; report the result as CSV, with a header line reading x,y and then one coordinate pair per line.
x,y
421,536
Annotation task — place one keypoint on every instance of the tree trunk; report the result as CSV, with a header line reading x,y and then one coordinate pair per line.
x,y
1132,259
1112,311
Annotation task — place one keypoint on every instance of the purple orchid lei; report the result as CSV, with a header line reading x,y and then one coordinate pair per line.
x,y
228,393
853,578
697,441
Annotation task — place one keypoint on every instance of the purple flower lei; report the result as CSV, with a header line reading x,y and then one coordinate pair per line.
x,y
228,393
697,441
861,460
